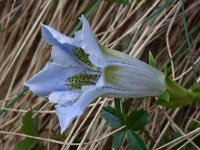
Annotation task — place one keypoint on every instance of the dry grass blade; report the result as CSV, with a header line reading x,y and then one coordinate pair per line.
x,y
149,25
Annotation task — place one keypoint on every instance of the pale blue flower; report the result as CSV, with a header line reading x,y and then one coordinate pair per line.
x,y
82,70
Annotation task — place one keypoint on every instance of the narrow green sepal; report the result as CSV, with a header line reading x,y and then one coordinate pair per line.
x,y
152,62
173,103
164,96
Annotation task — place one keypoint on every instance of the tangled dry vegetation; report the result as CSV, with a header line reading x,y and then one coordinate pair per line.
x,y
136,29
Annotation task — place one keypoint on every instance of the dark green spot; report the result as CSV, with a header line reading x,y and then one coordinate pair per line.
x,y
82,56
78,81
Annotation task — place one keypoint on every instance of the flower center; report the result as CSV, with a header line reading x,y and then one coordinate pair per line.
x,y
78,81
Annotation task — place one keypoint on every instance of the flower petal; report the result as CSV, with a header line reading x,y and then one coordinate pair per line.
x,y
90,45
77,39
67,114
118,58
53,78
136,82
101,56
64,98
55,38
63,57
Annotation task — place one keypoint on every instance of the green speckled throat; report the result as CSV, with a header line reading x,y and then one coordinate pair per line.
x,y
78,81
82,56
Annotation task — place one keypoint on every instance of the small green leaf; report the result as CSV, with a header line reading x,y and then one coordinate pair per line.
x,y
39,147
58,137
175,135
110,115
126,41
30,125
165,139
152,62
197,96
119,1
196,88
164,96
193,125
118,139
26,144
137,120
135,141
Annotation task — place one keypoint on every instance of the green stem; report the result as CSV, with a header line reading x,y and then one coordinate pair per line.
x,y
179,96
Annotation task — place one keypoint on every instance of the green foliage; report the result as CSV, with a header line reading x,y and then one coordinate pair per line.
x,y
166,138
165,95
126,41
135,141
58,137
119,1
26,144
193,125
152,62
137,120
175,95
118,139
110,115
29,127
196,88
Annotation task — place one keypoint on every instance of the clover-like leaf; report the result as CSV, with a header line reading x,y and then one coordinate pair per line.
x,y
118,139
135,141
30,125
26,144
110,115
137,120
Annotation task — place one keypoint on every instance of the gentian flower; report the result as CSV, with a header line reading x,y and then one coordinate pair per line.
x,y
83,70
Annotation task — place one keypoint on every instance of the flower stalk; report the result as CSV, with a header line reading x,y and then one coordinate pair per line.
x,y
178,95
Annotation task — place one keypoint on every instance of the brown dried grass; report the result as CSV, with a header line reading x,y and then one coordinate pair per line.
x,y
23,54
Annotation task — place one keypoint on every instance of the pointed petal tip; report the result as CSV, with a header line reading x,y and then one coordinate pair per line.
x,y
27,84
34,88
62,131
84,21
66,115
43,27
82,18
41,24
